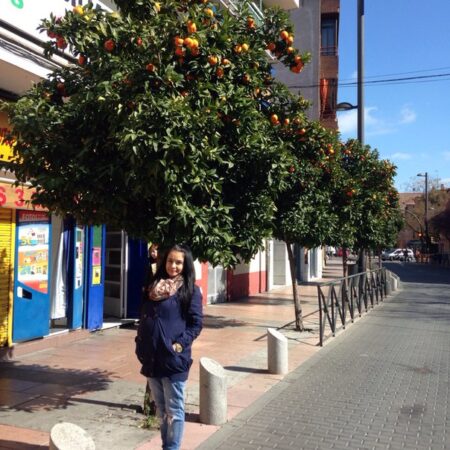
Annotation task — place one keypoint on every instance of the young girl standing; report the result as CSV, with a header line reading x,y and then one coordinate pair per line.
x,y
171,320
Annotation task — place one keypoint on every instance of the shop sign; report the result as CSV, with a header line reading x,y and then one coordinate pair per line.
x,y
6,145
17,197
27,14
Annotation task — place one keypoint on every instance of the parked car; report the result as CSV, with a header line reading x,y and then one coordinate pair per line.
x,y
399,255
386,252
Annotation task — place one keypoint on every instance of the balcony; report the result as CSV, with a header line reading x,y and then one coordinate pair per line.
x,y
256,7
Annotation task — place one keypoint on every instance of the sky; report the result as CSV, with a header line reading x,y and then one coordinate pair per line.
x,y
407,121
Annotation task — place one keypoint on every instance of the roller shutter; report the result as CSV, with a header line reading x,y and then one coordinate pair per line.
x,y
6,266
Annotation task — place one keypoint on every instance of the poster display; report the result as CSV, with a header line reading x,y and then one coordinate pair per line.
x,y
79,257
96,265
33,250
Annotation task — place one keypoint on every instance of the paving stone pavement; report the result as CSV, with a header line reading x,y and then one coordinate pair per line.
x,y
383,383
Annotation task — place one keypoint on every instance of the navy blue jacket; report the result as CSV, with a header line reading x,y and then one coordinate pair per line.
x,y
161,325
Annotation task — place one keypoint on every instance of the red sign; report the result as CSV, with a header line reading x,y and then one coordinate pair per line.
x,y
16,197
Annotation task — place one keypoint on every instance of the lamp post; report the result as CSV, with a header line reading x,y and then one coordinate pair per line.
x,y
361,71
425,175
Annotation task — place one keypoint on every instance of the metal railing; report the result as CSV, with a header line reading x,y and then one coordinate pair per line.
x,y
347,297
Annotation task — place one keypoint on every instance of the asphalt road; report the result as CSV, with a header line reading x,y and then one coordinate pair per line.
x,y
382,383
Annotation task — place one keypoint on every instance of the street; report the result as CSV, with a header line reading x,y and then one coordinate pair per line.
x,y
383,383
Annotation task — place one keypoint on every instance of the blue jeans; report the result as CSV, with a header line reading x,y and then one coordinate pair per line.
x,y
169,398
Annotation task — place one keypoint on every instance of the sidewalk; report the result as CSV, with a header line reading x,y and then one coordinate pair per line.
x,y
95,383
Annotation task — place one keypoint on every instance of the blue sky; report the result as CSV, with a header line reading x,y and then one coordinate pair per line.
x,y
409,121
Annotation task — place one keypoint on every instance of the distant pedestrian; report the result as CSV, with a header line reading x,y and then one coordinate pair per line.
x,y
171,319
405,254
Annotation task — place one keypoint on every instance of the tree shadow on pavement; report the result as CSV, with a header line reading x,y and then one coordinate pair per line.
x,y
35,387
17,445
217,322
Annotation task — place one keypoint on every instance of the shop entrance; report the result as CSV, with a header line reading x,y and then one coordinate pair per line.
x,y
115,274
31,278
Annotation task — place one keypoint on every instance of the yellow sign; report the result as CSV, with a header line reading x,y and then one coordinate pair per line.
x,y
96,274
6,145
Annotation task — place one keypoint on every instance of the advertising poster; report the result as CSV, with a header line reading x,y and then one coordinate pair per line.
x,y
33,250
96,265
79,246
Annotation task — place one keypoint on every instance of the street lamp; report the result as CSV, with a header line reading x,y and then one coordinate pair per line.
x,y
425,175
345,106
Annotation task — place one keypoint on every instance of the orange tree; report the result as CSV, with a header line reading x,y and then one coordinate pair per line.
x,y
158,128
365,202
381,215
303,209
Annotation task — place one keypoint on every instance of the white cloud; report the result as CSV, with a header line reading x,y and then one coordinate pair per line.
x,y
407,115
400,156
348,121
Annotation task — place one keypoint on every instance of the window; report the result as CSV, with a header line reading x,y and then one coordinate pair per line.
x,y
328,97
329,27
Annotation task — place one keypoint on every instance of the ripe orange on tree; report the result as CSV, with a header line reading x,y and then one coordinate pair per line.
x,y
109,45
213,60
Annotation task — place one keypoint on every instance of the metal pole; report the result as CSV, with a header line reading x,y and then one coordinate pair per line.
x,y
427,238
361,71
362,253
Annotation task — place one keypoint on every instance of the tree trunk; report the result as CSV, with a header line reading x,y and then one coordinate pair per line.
x,y
149,405
362,263
297,304
344,262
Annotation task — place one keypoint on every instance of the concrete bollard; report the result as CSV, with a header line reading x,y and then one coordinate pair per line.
x,y
388,285
394,283
277,352
213,392
68,436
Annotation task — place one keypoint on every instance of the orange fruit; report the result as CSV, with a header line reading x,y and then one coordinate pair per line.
x,y
178,41
109,45
213,60
78,10
188,42
271,46
284,35
150,67
238,48
274,119
209,12
191,27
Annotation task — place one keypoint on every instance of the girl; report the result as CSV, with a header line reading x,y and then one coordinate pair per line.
x,y
171,320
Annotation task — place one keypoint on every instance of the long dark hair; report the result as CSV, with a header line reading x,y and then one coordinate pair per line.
x,y
187,289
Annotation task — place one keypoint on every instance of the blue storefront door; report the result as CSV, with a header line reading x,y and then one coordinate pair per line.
x,y
95,277
31,307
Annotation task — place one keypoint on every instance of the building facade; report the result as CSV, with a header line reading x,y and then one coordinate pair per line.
x,y
316,27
